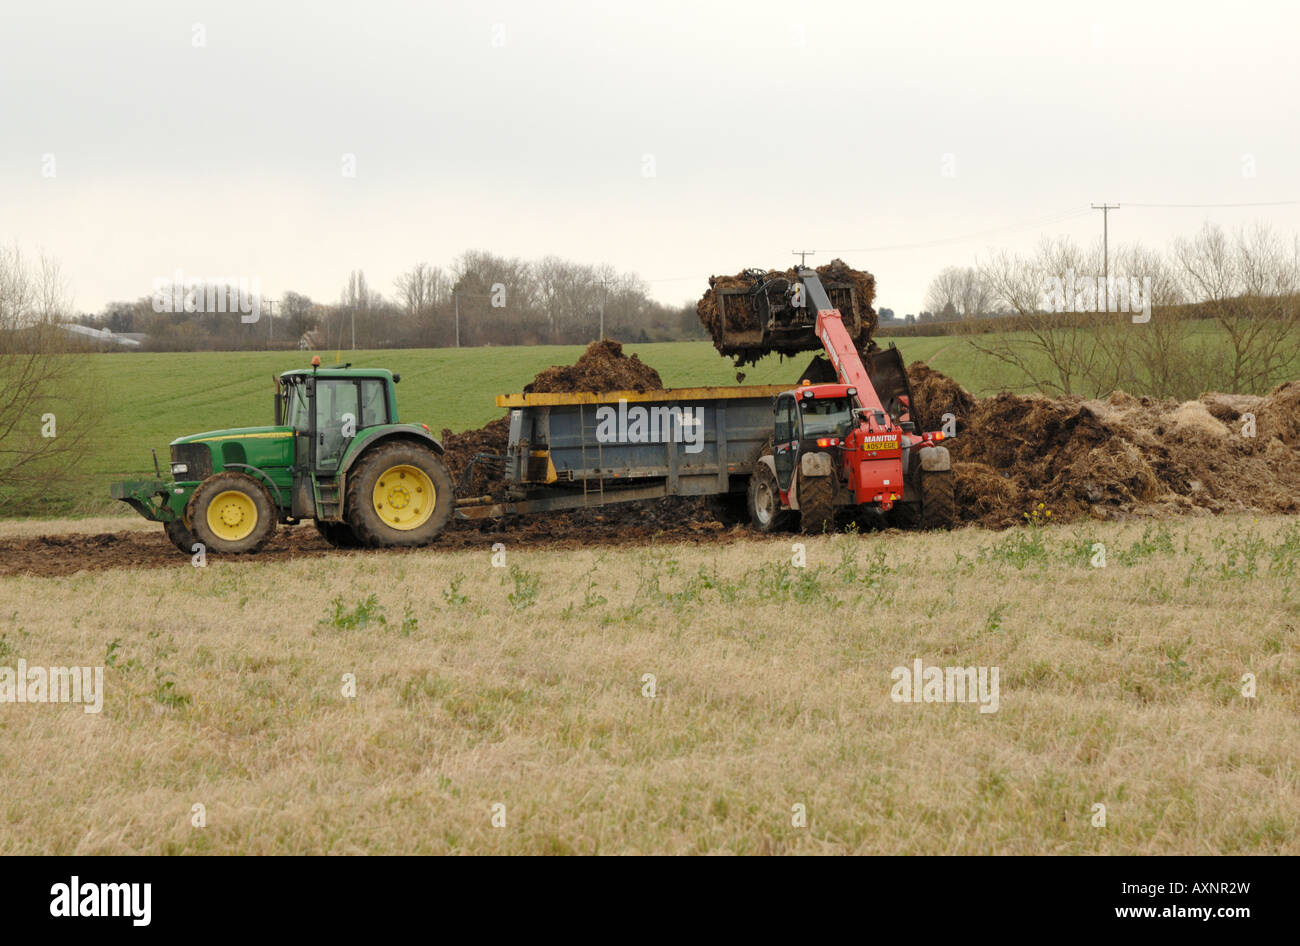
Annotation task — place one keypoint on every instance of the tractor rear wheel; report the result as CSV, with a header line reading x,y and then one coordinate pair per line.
x,y
337,534
816,505
399,494
231,513
765,512
179,535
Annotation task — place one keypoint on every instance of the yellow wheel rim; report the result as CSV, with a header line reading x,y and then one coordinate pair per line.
x,y
232,515
404,497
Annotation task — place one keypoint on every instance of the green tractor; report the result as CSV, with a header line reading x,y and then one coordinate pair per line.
x,y
336,454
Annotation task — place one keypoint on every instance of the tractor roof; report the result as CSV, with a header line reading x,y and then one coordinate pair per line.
x,y
340,371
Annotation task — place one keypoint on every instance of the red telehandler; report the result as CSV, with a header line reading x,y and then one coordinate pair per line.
x,y
845,437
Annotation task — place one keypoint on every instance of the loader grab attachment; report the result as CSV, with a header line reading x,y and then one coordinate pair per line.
x,y
759,312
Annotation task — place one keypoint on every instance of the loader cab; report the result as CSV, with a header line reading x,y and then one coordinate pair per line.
x,y
811,418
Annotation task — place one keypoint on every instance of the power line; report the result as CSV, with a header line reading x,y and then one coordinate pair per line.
x,y
1025,225
1265,203
1041,222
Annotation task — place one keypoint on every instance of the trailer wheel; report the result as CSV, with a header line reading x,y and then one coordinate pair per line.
x,y
765,512
231,513
398,494
337,534
180,536
816,504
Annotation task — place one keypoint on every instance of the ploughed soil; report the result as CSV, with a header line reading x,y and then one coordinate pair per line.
x,y
671,520
1113,458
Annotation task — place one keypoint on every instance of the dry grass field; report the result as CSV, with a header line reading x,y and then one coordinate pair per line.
x,y
524,686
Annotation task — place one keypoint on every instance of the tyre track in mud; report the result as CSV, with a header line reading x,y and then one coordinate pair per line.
x,y
55,556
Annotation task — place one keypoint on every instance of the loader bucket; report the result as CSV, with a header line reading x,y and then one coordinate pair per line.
x,y
757,313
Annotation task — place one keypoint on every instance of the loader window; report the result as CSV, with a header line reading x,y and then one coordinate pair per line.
x,y
826,416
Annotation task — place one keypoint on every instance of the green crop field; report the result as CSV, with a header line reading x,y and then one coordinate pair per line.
x,y
150,399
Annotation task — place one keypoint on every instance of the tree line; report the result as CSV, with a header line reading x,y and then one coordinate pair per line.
x,y
481,299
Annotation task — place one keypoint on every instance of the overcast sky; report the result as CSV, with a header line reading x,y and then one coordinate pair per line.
x,y
674,140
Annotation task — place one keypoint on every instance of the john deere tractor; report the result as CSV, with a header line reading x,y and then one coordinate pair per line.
x,y
336,455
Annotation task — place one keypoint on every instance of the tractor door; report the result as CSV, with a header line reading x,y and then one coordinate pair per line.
x,y
785,440
344,407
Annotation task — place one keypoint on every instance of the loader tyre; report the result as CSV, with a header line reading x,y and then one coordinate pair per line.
x,y
231,513
337,534
765,512
816,505
180,536
938,500
399,494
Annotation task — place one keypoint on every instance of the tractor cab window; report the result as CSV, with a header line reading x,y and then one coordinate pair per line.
x,y
298,409
374,406
826,416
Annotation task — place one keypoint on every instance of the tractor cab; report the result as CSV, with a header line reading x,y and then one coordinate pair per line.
x,y
327,408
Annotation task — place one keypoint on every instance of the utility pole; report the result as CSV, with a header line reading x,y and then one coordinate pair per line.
x,y
1105,245
802,254
602,309
456,299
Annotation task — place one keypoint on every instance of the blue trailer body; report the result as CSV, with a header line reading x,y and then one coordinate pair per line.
x,y
584,449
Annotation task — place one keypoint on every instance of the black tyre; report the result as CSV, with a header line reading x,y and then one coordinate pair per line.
x,y
399,494
338,534
816,504
937,508
938,500
231,513
764,500
180,536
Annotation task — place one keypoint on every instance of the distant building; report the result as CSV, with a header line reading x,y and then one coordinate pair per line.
x,y
125,339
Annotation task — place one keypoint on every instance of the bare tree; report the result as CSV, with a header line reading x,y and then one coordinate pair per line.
x,y
1064,353
1249,285
962,290
47,395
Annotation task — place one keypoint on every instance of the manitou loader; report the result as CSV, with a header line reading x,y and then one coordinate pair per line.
x,y
846,436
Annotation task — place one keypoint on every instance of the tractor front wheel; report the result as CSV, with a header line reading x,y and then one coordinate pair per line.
x,y
180,536
231,513
399,494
